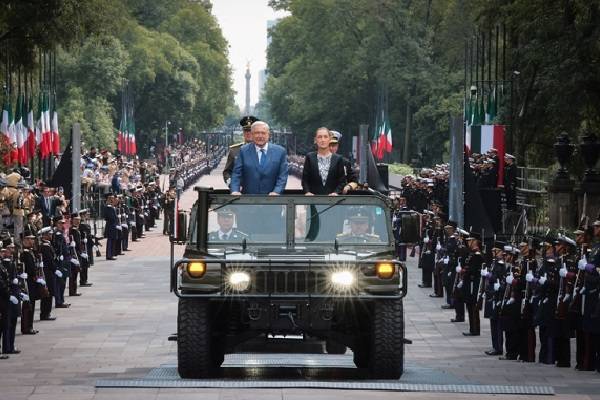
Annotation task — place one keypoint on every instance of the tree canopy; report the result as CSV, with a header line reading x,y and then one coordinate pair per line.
x,y
328,58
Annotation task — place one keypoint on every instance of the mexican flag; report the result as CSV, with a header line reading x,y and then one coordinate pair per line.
x,y
384,142
132,146
54,132
39,128
31,136
120,137
8,129
481,138
47,132
20,130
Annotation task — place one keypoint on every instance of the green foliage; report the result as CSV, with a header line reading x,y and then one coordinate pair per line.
x,y
327,59
400,169
173,55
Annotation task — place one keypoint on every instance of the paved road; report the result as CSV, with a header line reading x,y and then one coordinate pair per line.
x,y
118,329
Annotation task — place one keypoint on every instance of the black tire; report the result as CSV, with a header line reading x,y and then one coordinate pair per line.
x,y
194,359
333,347
386,355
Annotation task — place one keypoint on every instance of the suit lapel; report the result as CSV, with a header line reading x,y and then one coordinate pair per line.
x,y
331,167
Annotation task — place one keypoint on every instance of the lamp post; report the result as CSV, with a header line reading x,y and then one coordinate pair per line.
x,y
167,123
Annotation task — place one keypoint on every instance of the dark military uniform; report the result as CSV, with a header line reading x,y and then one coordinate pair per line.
x,y
493,300
49,261
234,150
233,235
28,258
591,309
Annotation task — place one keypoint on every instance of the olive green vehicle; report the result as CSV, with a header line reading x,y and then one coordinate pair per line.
x,y
320,267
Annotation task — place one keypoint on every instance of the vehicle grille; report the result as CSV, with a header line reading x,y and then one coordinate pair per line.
x,y
290,282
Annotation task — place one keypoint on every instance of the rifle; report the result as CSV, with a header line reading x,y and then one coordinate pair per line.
x,y
507,290
560,312
525,299
577,297
481,291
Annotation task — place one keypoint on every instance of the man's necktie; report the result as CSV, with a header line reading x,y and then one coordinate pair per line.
x,y
263,158
225,236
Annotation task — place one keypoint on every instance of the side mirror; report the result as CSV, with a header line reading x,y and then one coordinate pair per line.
x,y
409,227
182,228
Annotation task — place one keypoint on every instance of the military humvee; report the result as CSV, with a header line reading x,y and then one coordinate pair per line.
x,y
310,266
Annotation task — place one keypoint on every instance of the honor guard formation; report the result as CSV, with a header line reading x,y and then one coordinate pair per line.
x,y
47,247
538,292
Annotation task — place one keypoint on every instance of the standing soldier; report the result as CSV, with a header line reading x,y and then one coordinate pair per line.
x,y
246,123
527,342
568,270
510,315
427,256
494,275
14,299
470,278
170,198
30,269
63,267
458,263
49,266
88,242
510,181
546,293
450,247
5,301
351,178
110,216
591,309
77,262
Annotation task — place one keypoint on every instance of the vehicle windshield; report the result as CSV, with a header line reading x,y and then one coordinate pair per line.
x,y
264,223
346,223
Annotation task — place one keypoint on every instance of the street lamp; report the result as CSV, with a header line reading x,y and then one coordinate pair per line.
x,y
167,144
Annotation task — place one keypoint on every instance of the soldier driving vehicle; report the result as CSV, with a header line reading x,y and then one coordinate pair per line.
x,y
301,278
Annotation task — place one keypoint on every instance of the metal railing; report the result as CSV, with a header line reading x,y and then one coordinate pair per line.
x,y
532,179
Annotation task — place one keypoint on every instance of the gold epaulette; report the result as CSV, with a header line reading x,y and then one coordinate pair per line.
x,y
236,145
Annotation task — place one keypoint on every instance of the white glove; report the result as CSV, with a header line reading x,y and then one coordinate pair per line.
x,y
496,286
73,244
510,301
15,281
446,260
23,275
438,247
460,285
125,225
510,279
41,281
529,277
458,269
41,264
61,258
581,264
133,224
563,272
484,272
24,297
95,248
426,240
75,262
118,215
543,279
85,240
84,255
13,300
119,227
58,273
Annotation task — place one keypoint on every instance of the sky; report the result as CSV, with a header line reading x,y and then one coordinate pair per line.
x,y
244,25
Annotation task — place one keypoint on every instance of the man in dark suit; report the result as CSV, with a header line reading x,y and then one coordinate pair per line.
x,y
323,171
351,178
261,167
47,203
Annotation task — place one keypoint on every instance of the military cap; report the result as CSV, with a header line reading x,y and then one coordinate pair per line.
x,y
75,215
463,232
510,156
225,212
8,242
247,121
596,223
578,232
358,214
45,230
335,137
83,211
28,233
566,240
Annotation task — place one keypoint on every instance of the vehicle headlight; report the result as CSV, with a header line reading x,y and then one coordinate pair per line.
x,y
196,269
342,279
385,270
239,281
